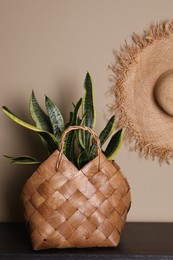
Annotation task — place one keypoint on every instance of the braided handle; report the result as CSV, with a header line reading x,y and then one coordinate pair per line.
x,y
71,128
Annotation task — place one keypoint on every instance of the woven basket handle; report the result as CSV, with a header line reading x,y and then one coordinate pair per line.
x,y
71,128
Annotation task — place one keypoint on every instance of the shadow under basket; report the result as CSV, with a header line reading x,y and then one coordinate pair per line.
x,y
65,207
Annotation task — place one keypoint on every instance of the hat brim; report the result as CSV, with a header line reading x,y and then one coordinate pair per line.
x,y
137,69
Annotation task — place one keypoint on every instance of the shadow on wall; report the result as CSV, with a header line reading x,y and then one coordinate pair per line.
x,y
13,183
14,176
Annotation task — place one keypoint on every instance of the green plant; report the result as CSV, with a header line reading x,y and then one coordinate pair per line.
x,y
79,147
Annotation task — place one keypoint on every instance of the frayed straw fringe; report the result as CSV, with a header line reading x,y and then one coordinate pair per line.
x,y
124,60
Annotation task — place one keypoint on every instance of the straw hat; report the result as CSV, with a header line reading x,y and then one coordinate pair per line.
x,y
143,88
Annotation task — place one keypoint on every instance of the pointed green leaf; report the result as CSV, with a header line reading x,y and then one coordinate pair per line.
x,y
88,103
23,159
58,135
38,115
82,159
50,138
88,109
55,117
107,131
69,146
52,142
114,145
75,113
104,135
40,118
73,120
79,121
81,133
93,151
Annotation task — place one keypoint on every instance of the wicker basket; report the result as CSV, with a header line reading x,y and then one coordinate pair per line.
x,y
65,207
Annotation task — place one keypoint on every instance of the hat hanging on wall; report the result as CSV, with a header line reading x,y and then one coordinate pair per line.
x,y
143,88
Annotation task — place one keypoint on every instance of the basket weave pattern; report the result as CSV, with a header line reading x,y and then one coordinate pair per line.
x,y
76,208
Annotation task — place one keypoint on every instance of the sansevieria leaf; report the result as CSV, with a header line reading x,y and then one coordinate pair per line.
x,y
107,131
114,145
79,146
82,159
81,133
88,110
55,117
69,146
23,159
40,118
50,138
104,135
75,112
88,103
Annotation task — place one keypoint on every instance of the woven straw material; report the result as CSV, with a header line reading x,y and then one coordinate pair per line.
x,y
140,91
76,208
163,91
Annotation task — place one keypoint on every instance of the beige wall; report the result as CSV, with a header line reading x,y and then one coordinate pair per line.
x,y
48,45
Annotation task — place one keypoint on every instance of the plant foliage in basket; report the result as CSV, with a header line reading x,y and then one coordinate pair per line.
x,y
79,147
78,196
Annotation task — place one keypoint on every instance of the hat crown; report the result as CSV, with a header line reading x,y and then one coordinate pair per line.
x,y
163,91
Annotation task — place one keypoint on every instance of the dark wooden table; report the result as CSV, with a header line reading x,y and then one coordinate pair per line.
x,y
139,241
